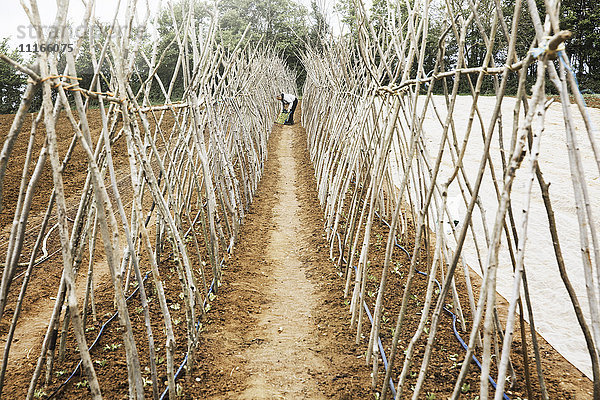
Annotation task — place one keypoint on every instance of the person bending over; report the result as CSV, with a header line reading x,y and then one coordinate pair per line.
x,y
287,100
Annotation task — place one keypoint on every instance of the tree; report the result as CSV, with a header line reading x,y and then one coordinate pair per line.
x,y
319,27
12,82
347,10
582,17
280,24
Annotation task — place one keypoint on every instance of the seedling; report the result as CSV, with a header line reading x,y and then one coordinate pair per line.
x,y
82,384
112,346
465,387
397,269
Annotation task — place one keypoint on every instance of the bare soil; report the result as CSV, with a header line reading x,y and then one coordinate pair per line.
x,y
279,327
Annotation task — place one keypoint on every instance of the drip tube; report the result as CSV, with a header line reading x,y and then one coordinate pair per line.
x,y
210,291
454,317
78,367
365,306
380,345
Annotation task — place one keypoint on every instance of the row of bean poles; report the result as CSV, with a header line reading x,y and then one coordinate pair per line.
x,y
185,190
366,139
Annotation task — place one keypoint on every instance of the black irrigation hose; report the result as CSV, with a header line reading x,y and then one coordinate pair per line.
x,y
37,263
164,393
210,291
101,332
366,307
454,317
379,344
78,367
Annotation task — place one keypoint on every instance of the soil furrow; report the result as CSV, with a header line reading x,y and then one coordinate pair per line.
x,y
278,329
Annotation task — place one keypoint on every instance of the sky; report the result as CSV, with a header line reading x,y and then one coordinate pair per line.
x,y
15,24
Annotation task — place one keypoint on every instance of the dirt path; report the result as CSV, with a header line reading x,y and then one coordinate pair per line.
x,y
280,366
280,326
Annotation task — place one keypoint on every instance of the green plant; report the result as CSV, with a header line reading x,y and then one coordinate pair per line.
x,y
60,373
465,387
454,359
82,384
112,346
39,393
430,396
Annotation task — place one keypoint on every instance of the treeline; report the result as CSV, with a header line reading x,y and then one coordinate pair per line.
x,y
284,25
291,28
581,17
